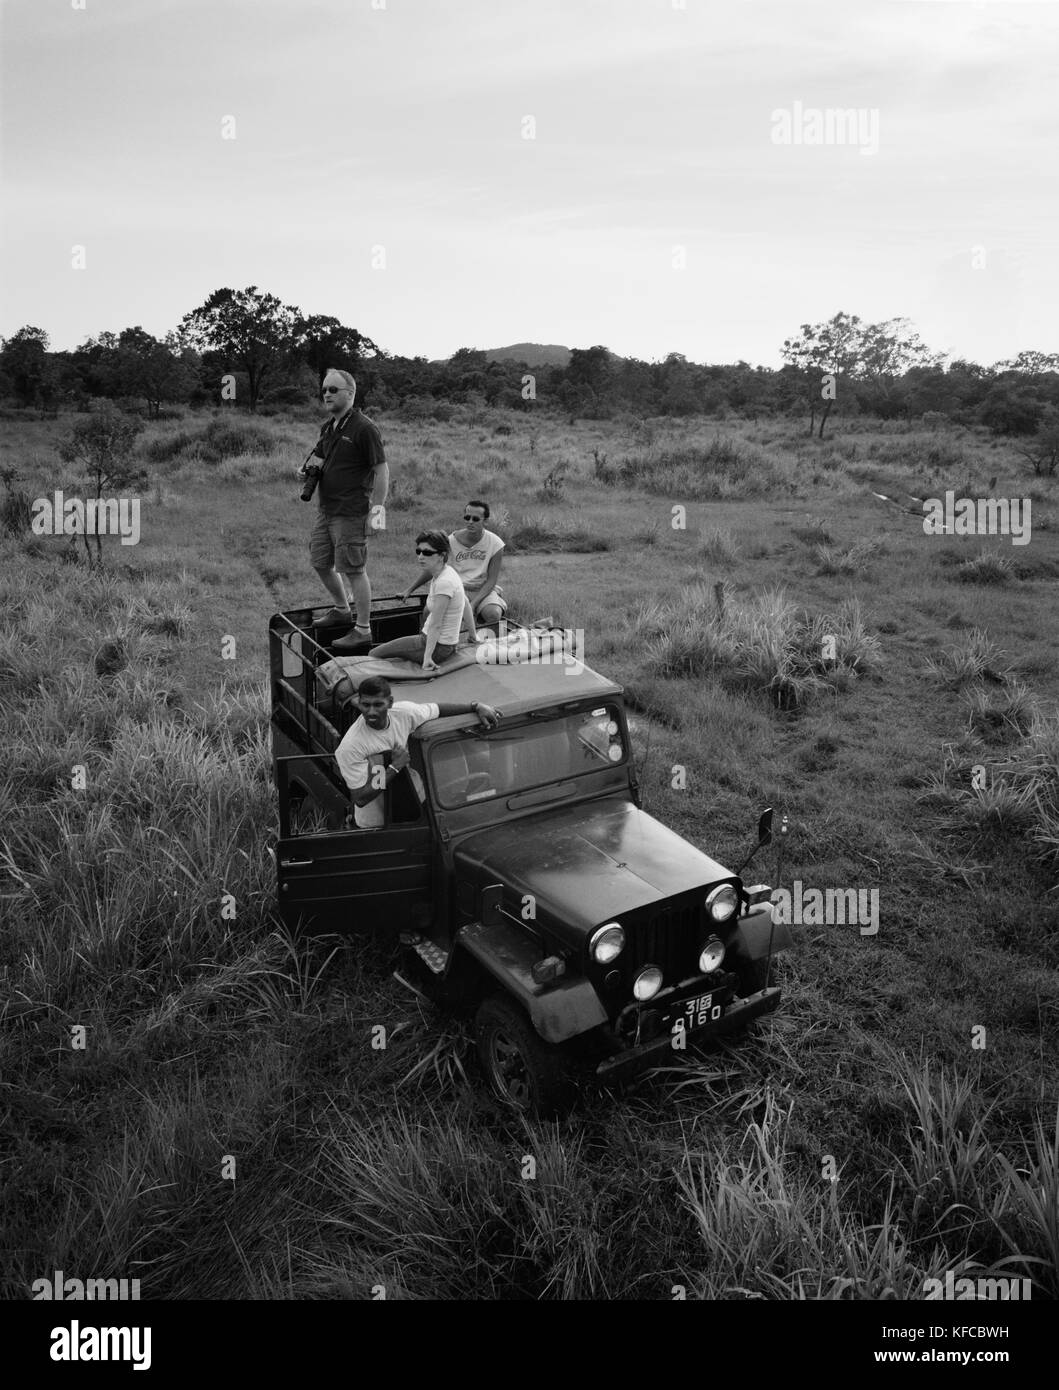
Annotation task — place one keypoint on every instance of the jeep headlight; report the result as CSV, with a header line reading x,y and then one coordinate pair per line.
x,y
647,983
722,903
607,943
712,955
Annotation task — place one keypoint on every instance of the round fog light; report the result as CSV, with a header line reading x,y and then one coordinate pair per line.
x,y
712,955
647,983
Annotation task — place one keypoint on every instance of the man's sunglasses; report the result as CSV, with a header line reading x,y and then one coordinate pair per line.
x,y
427,552
330,390
472,518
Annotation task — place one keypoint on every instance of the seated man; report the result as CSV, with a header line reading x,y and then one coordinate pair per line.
x,y
476,555
375,749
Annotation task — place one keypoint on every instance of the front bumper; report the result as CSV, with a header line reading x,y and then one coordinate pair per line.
x,y
632,1060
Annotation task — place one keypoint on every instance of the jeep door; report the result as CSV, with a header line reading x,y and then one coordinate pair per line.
x,y
349,880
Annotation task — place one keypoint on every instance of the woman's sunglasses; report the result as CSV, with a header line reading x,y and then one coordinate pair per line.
x,y
420,551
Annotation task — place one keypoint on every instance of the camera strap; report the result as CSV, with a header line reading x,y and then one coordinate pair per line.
x,y
336,435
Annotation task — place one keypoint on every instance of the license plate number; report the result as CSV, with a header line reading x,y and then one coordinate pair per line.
x,y
696,1013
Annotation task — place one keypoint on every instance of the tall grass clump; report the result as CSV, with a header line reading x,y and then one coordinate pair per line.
x,y
725,468
987,568
719,545
538,532
1020,796
764,643
769,1228
854,559
974,657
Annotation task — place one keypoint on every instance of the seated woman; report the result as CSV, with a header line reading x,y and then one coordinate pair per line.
x,y
447,610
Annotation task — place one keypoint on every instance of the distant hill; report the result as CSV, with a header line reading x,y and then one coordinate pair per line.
x,y
533,354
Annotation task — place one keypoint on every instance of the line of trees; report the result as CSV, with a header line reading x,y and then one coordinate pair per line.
x,y
247,347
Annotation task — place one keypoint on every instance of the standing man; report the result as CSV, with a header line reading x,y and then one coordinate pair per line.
x,y
354,478
476,555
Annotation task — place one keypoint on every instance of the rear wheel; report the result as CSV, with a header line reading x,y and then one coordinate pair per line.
x,y
522,1069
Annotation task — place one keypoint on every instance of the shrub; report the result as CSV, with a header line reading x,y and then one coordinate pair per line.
x,y
551,488
214,442
602,471
286,395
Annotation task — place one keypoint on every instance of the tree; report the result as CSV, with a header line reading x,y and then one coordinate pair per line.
x,y
887,351
323,342
1032,363
469,358
98,367
251,330
153,370
101,443
823,354
1011,408
24,359
1044,453
834,355
591,367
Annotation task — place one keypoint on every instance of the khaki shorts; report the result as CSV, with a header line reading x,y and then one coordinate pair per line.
x,y
339,542
493,596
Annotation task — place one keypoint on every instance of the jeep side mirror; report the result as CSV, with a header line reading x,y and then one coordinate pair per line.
x,y
492,897
764,837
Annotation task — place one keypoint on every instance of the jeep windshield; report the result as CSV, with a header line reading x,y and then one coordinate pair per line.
x,y
478,767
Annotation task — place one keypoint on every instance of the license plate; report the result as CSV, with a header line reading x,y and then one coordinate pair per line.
x,y
693,1013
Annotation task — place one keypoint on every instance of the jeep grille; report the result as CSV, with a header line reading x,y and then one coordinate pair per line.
x,y
670,938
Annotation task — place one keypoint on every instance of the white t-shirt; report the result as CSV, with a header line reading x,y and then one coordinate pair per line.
x,y
472,561
362,748
447,582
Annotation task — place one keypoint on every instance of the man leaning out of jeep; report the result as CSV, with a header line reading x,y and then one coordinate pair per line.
x,y
379,739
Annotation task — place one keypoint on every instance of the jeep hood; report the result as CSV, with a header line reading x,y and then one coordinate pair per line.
x,y
588,863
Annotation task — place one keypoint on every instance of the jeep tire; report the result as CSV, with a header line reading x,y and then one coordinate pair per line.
x,y
522,1070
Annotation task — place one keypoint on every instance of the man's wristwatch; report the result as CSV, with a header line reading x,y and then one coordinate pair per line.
x,y
474,706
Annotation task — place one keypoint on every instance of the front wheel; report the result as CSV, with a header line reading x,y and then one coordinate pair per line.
x,y
522,1069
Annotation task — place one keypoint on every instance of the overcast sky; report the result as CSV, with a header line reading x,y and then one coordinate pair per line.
x,y
400,125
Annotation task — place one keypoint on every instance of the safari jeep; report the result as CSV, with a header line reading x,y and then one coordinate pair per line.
x,y
516,866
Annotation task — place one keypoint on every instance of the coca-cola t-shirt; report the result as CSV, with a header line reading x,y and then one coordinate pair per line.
x,y
471,561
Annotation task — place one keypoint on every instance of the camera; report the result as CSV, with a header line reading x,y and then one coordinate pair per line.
x,y
312,477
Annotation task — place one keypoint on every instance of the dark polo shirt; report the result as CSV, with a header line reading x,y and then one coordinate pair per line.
x,y
351,455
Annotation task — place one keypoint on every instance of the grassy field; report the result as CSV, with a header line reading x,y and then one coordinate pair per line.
x,y
227,1130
